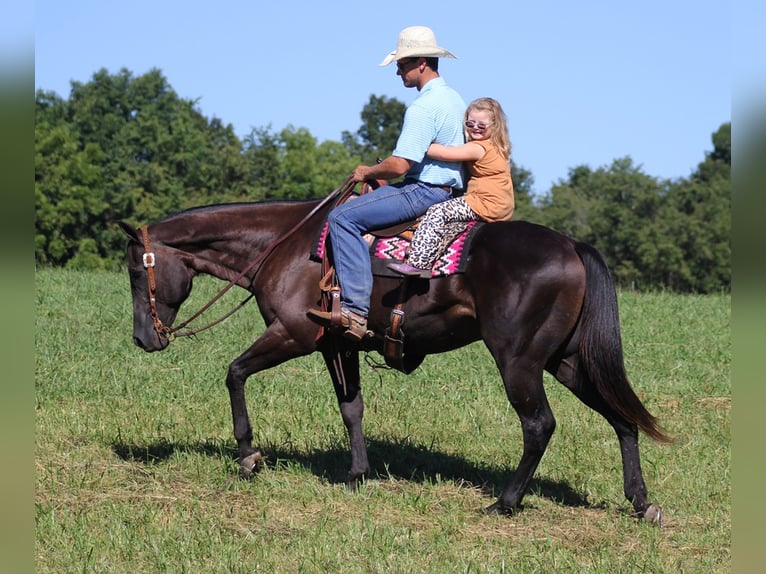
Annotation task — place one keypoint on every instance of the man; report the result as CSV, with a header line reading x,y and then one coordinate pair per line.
x,y
436,115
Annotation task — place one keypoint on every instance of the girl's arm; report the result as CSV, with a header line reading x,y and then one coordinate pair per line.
x,y
470,151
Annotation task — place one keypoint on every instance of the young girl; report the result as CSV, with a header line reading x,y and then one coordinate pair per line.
x,y
489,196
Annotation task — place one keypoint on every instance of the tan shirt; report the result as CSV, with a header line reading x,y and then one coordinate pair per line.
x,y
490,189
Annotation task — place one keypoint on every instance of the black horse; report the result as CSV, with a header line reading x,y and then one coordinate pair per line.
x,y
538,299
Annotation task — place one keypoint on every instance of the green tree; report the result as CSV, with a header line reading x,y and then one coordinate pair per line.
x,y
261,162
291,165
301,168
382,121
298,164
69,199
523,180
148,152
620,211
567,207
654,234
701,212
335,163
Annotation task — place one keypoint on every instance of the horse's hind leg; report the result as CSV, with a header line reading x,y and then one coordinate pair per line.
x,y
344,371
524,386
634,486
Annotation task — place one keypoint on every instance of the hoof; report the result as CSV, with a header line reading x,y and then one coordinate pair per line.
x,y
355,481
654,515
250,465
499,509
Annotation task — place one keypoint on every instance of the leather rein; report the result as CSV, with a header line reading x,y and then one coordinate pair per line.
x,y
150,261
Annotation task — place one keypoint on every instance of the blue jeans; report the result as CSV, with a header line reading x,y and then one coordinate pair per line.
x,y
386,206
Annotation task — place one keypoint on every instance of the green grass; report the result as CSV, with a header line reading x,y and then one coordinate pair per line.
x,y
136,463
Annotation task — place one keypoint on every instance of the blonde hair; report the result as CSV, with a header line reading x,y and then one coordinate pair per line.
x,y
499,135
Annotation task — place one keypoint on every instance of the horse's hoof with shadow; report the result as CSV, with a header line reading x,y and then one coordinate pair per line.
x,y
499,509
354,482
654,515
251,465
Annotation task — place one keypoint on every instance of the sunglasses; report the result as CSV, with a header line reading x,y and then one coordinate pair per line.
x,y
402,64
480,126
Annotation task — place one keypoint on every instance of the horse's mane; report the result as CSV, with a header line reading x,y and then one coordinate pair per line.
x,y
213,207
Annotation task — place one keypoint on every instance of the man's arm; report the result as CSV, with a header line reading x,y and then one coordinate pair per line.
x,y
390,168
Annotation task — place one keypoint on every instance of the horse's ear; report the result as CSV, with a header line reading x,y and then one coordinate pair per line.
x,y
130,231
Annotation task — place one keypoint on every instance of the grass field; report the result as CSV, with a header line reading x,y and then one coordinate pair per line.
x,y
136,462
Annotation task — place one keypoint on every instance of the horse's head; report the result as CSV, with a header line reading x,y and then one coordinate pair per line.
x,y
172,283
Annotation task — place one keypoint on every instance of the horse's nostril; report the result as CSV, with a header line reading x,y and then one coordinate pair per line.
x,y
138,342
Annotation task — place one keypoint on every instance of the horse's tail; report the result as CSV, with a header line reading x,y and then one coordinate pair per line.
x,y
601,352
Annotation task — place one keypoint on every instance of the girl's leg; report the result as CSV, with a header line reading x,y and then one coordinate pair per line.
x,y
441,224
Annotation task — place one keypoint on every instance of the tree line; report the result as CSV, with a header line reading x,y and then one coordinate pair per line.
x,y
129,148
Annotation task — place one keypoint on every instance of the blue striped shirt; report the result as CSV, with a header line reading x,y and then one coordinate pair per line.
x,y
436,115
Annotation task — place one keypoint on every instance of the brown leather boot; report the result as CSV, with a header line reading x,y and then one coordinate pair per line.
x,y
353,325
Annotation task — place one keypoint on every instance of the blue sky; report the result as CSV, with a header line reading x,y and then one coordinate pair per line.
x,y
581,82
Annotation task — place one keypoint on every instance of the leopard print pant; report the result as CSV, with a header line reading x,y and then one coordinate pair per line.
x,y
441,224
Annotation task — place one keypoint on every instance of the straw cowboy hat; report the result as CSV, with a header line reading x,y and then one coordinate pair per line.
x,y
416,41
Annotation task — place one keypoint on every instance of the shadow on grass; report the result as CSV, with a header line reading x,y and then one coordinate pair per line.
x,y
389,458
162,450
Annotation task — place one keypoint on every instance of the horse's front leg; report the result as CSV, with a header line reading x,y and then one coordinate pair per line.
x,y
275,346
250,459
344,371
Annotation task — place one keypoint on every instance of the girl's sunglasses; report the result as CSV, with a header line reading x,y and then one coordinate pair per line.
x,y
481,126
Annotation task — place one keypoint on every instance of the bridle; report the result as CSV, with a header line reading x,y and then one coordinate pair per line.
x,y
150,261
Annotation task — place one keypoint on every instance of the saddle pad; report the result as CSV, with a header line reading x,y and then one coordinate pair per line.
x,y
385,250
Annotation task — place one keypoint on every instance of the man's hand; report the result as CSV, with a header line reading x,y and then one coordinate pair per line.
x,y
361,173
388,169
